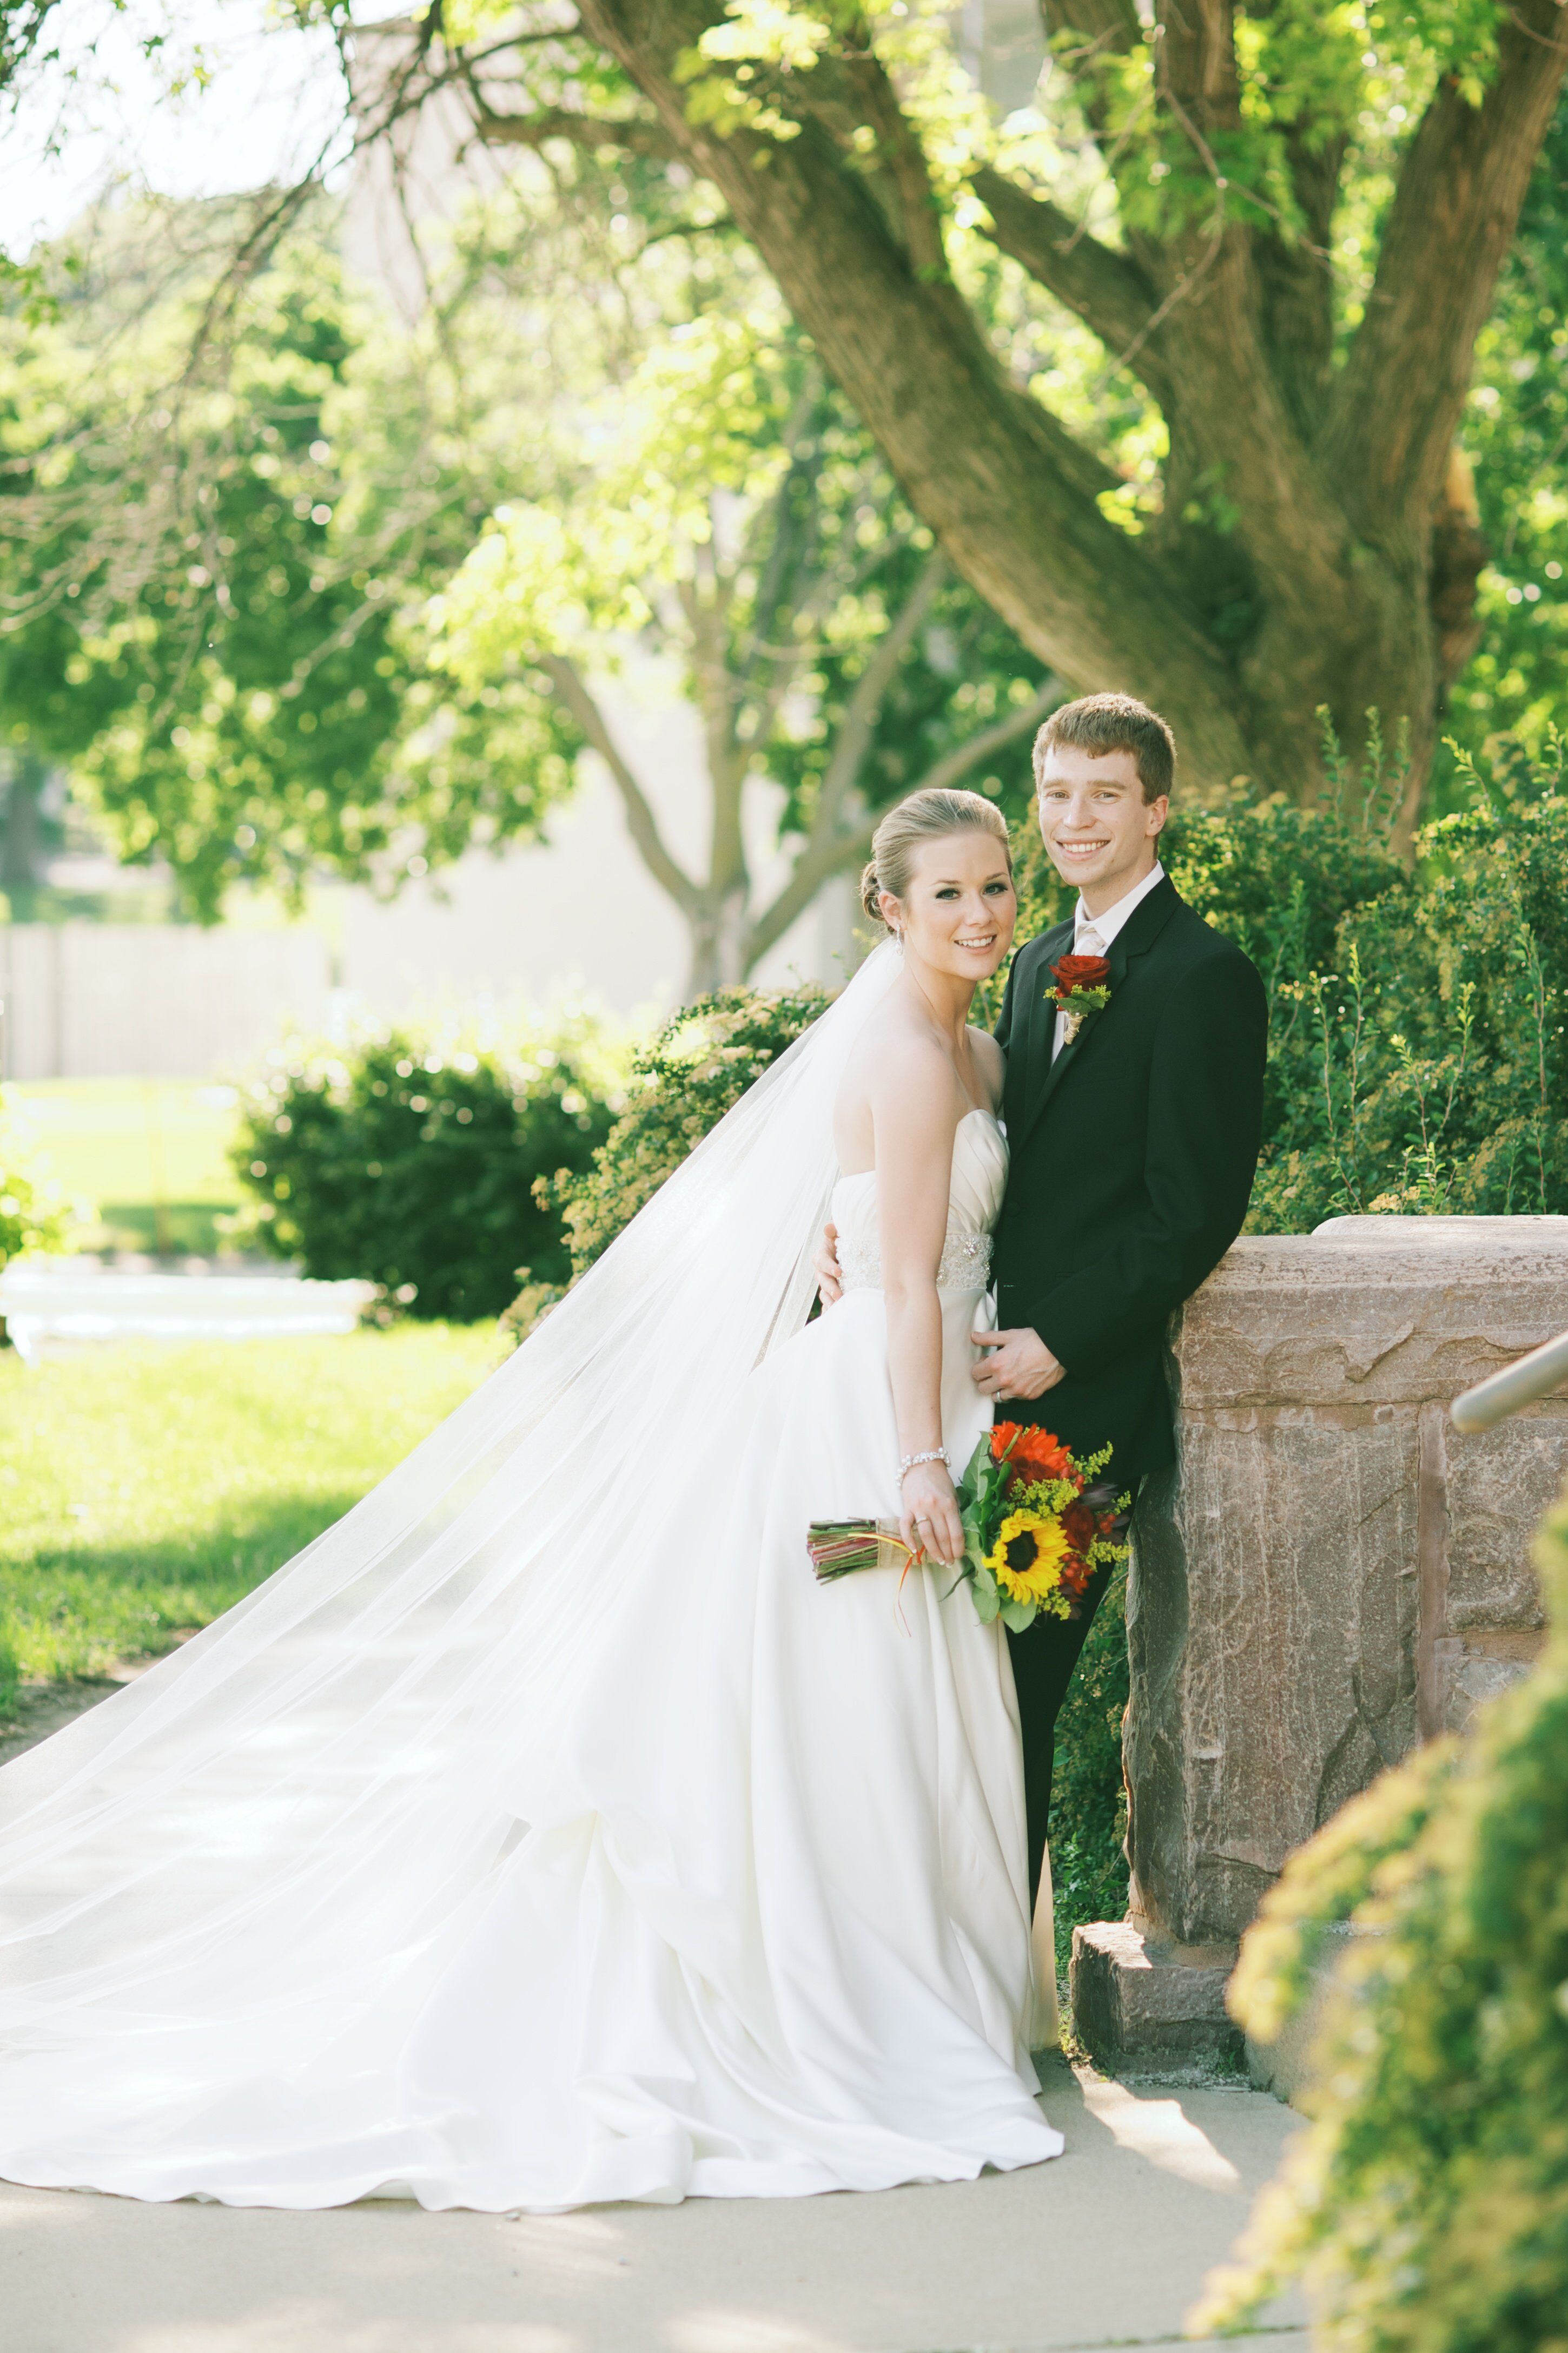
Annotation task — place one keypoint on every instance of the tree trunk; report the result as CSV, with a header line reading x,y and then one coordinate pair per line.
x,y
720,935
21,845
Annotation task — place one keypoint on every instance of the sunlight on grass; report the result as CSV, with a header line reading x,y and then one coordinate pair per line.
x,y
149,1156
145,1489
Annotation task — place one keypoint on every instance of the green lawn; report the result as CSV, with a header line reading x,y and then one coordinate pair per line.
x,y
143,1490
145,1160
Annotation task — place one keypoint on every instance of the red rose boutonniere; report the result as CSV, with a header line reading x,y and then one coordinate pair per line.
x,y
1082,985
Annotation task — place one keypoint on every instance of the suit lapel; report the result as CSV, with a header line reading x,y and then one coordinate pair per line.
x,y
1136,937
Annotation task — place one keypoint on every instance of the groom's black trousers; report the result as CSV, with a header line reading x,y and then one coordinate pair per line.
x,y
1043,1656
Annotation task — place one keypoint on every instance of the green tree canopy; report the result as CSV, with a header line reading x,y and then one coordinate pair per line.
x,y
211,578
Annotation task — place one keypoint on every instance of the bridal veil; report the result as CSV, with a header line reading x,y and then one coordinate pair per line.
x,y
278,1827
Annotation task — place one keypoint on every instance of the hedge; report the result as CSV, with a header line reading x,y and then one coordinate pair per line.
x,y
410,1162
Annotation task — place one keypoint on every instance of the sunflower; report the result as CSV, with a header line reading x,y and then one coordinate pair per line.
x,y
1028,1556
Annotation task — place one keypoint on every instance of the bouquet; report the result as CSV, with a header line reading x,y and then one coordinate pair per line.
x,y
1036,1524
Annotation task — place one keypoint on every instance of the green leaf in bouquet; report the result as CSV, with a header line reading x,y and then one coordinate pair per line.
x,y
987,1606
1018,1614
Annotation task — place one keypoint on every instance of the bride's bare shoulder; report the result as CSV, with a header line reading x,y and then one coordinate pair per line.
x,y
991,1064
898,1064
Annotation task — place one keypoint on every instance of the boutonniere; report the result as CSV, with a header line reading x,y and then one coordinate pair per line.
x,y
1083,986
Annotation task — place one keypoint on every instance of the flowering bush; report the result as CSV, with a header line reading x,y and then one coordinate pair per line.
x,y
1429,2202
412,1161
700,1064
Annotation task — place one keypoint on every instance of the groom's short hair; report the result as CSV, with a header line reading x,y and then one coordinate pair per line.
x,y
1098,724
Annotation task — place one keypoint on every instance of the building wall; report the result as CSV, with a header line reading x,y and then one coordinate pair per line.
x,y
576,918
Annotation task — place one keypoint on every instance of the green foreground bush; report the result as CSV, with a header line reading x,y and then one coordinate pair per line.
x,y
1427,2205
410,1162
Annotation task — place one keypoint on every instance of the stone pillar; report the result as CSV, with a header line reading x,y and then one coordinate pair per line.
x,y
1331,1572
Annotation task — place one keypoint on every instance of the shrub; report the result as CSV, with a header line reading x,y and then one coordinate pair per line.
x,y
1429,2202
1089,1801
1425,1071
412,1163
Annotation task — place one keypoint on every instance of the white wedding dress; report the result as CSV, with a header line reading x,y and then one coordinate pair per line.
x,y
736,1906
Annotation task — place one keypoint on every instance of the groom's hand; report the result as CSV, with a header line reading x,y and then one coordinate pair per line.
x,y
1018,1365
824,1264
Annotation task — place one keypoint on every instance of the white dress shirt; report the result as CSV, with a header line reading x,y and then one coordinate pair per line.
x,y
1092,934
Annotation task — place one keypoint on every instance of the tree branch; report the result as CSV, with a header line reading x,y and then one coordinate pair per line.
x,y
716,697
853,739
1455,209
1107,290
641,823
636,136
968,756
828,847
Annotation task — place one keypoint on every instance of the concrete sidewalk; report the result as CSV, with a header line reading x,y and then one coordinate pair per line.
x,y
1106,2246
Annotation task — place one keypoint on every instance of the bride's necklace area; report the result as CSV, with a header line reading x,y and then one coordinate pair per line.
x,y
967,1078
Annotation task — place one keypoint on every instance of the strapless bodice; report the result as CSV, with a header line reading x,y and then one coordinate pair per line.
x,y
975,1203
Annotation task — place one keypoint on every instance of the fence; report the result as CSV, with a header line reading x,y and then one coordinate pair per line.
x,y
153,1001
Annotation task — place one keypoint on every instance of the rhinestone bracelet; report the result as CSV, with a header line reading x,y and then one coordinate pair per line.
x,y
912,1462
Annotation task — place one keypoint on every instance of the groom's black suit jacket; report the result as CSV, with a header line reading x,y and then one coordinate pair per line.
x,y
1131,1161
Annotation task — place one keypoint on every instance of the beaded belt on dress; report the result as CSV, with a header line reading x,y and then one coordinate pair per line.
x,y
964,1264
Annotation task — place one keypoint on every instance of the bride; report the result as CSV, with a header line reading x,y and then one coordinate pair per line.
x,y
544,1834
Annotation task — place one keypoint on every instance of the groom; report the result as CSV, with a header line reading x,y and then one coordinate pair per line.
x,y
1133,1129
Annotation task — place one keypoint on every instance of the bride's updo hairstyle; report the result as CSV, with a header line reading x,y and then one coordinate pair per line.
x,y
925,817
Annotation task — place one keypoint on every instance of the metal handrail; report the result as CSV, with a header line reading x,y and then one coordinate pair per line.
x,y
1493,1400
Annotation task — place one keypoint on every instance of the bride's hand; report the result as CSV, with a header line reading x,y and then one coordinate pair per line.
x,y
931,1522
824,1265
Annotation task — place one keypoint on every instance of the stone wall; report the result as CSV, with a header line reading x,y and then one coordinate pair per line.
x,y
1333,1572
